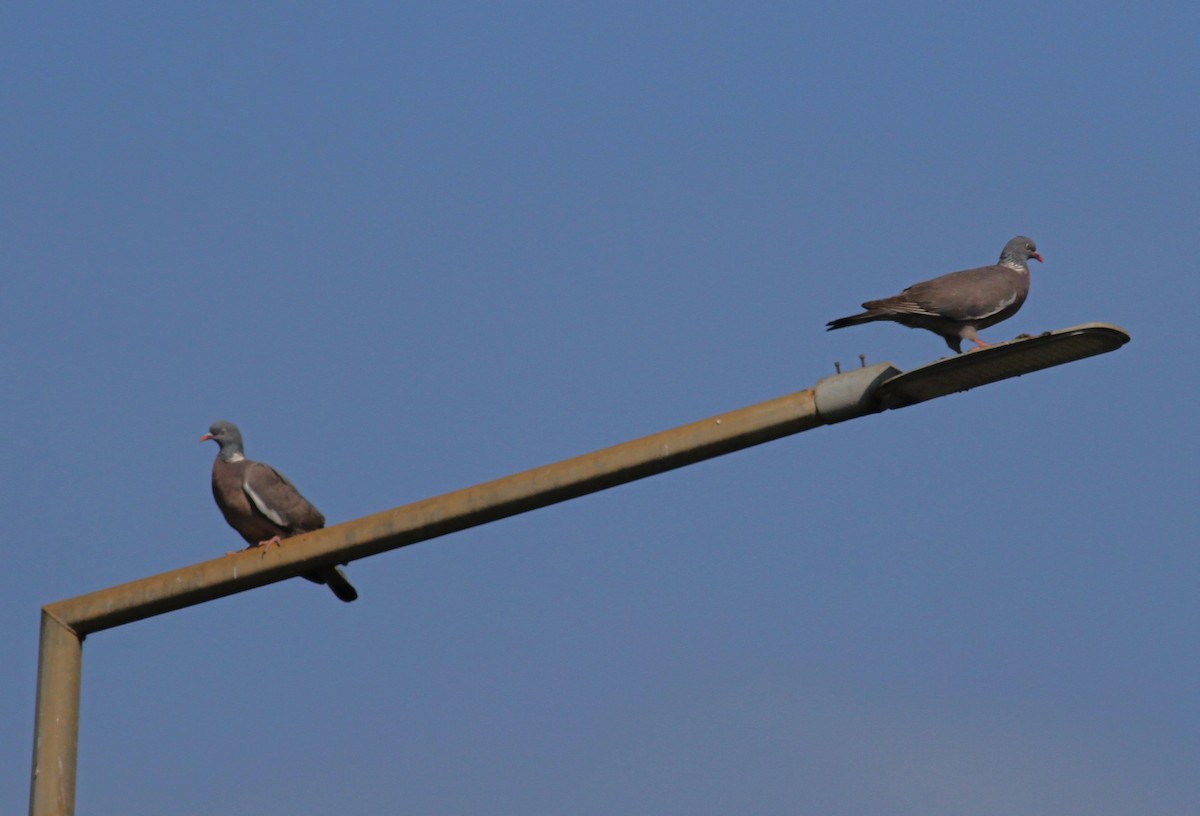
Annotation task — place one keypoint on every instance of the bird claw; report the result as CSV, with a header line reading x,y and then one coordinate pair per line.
x,y
265,545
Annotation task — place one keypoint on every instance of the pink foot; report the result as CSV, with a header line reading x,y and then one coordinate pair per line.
x,y
266,545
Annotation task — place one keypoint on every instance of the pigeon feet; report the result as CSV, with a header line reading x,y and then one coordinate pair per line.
x,y
265,545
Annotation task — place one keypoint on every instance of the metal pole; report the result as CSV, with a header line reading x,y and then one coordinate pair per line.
x,y
867,390
56,729
66,623
834,399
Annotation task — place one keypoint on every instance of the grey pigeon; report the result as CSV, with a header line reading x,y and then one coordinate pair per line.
x,y
262,505
957,305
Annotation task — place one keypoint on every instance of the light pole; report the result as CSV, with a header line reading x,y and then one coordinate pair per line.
x,y
841,397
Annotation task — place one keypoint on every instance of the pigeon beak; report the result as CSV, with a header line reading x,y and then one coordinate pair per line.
x,y
1039,257
206,437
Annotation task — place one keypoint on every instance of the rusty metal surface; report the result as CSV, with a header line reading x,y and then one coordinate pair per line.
x,y
65,623
56,730
443,514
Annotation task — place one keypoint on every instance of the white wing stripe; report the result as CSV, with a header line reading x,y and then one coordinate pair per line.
x,y
263,507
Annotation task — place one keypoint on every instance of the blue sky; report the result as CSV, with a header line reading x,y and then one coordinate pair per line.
x,y
411,247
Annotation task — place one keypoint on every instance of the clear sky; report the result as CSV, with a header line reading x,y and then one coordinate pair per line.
x,y
412,247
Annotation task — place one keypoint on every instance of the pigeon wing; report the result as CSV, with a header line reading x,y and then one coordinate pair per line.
x,y
967,296
278,499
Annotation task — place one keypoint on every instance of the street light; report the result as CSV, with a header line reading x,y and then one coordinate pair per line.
x,y
867,390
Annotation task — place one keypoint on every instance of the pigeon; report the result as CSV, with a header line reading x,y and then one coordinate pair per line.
x,y
957,305
262,505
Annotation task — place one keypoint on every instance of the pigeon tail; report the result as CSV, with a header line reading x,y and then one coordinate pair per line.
x,y
335,579
854,320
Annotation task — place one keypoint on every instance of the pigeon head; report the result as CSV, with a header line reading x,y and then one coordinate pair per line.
x,y
227,435
1018,251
